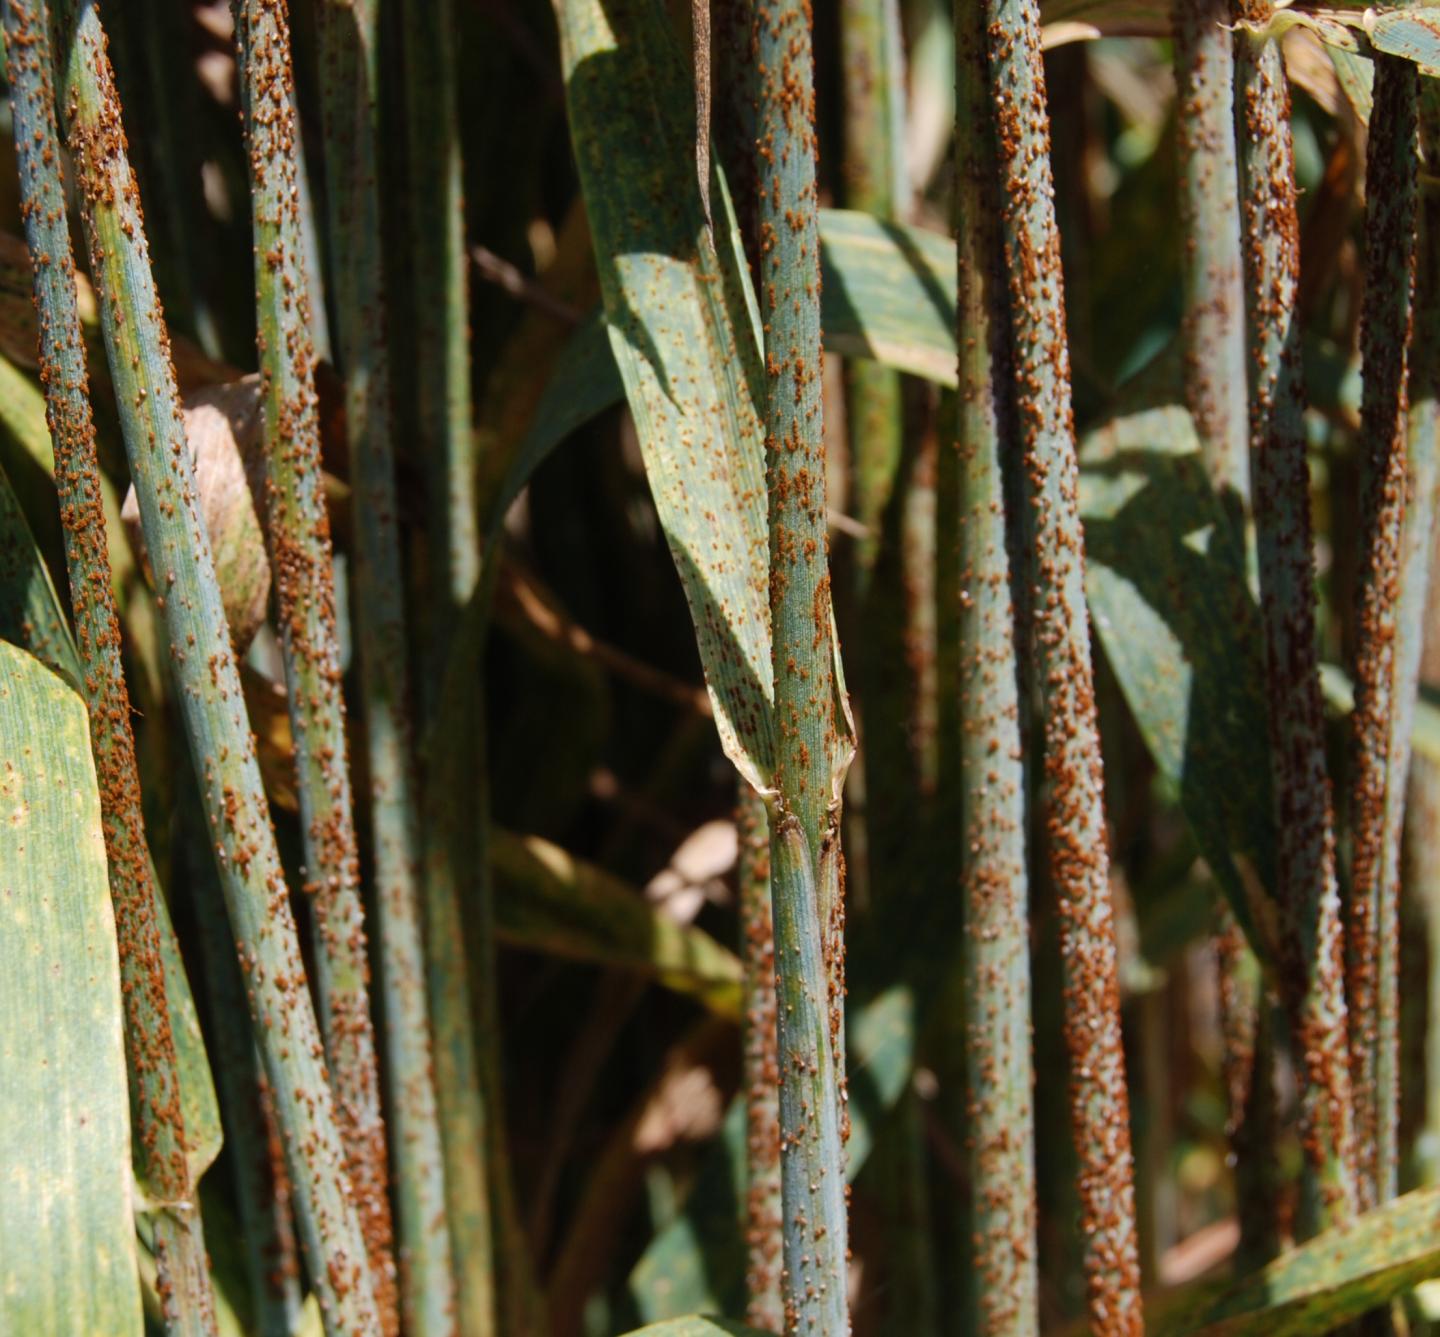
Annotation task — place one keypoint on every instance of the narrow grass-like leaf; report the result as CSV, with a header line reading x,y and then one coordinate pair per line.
x,y
32,617
1248,1071
67,1242
1325,1283
157,1110
206,677
31,614
694,395
888,293
460,886
1060,635
995,952
1382,717
1165,578
1309,934
548,901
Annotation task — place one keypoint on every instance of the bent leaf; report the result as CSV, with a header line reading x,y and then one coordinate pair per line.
x,y
887,293
547,901
1322,1285
67,1243
33,617
682,336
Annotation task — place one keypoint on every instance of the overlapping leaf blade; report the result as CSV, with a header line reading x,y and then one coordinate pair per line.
x,y
67,1243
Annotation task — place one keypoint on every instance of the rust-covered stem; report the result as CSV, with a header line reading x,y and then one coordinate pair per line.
x,y
812,745
207,680
995,955
765,1308
1383,706
348,68
158,1124
1060,633
1311,970
1214,323
297,530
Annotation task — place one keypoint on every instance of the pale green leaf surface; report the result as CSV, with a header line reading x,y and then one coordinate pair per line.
x,y
548,901
1324,1283
1412,34
682,338
32,616
67,1242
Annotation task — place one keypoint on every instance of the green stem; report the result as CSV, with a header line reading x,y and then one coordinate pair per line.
x,y
1059,633
1381,719
207,680
298,535
810,750
349,58
495,1272
1311,936
439,270
995,955
158,1122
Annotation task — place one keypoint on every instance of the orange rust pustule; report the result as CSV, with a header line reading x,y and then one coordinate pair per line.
x,y
1059,628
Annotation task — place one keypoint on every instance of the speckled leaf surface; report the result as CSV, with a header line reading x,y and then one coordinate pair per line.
x,y
683,340
1324,1283
887,294
1166,586
67,1243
